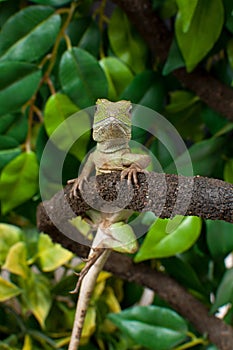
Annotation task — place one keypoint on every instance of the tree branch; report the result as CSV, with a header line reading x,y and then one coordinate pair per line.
x,y
165,195
209,196
215,94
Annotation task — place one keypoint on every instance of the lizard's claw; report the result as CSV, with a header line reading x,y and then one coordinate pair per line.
x,y
131,174
77,184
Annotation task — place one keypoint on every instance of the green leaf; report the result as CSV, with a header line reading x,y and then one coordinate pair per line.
x,y
175,59
228,5
9,235
8,290
146,89
187,10
204,155
18,128
7,142
159,244
183,110
228,171
118,76
168,9
29,34
55,3
151,326
85,34
8,150
19,181
16,260
183,272
57,111
225,291
215,123
37,297
202,33
181,100
125,41
5,122
20,80
82,78
219,238
6,156
51,255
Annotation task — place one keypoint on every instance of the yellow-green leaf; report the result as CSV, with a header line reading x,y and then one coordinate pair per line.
x,y
37,297
58,108
187,9
19,181
68,131
8,290
51,255
16,260
112,301
27,345
9,235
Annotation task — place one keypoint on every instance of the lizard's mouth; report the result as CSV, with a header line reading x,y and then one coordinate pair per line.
x,y
111,128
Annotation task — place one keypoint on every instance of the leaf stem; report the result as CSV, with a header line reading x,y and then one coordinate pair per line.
x,y
61,34
102,19
193,342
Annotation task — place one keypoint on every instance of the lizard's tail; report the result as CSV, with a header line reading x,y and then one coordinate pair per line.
x,y
87,286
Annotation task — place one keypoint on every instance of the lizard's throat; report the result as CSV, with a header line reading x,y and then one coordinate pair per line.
x,y
113,145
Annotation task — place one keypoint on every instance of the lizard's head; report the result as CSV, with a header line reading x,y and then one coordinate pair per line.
x,y
112,120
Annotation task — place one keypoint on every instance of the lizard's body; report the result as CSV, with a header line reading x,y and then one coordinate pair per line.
x,y
112,131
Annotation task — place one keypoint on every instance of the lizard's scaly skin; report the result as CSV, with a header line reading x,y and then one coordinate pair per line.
x,y
112,131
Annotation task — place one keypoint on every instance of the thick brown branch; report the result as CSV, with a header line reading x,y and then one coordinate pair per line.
x,y
164,194
215,94
209,196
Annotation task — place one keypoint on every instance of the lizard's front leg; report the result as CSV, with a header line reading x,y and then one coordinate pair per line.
x,y
79,182
134,164
131,173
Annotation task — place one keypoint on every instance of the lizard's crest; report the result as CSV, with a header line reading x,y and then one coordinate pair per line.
x,y
112,120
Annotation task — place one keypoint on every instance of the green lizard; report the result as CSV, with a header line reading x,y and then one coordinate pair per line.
x,y
112,132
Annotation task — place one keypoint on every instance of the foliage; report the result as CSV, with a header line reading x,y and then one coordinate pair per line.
x,y
56,58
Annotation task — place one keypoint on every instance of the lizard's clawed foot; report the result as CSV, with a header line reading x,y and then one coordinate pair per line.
x,y
77,184
96,252
131,174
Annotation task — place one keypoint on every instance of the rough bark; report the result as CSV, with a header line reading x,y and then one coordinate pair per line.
x,y
165,195
215,94
210,199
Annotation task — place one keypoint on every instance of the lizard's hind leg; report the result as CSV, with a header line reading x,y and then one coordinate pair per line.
x,y
93,256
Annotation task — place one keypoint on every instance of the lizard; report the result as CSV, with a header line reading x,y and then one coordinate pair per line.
x,y
112,132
